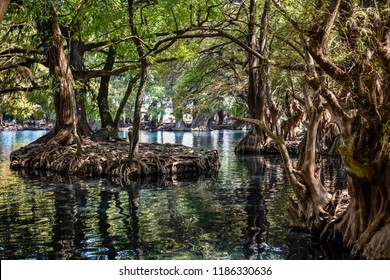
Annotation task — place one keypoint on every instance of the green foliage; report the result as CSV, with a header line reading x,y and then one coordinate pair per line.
x,y
105,21
209,73
91,106
17,106
213,81
155,102
43,102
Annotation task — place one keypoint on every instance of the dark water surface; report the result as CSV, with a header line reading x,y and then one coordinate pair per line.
x,y
237,215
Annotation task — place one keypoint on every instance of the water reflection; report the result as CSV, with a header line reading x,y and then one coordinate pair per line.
x,y
237,215
267,196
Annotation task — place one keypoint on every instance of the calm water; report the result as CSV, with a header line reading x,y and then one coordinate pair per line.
x,y
237,215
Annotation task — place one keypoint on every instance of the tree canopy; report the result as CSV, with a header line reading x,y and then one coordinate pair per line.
x,y
323,64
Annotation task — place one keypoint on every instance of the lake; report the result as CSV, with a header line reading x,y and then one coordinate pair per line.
x,y
238,214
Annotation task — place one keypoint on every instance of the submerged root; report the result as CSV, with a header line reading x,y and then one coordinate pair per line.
x,y
111,159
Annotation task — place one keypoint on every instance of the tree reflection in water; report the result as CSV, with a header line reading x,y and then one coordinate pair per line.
x,y
238,214
266,206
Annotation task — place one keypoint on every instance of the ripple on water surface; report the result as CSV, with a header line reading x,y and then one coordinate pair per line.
x,y
237,215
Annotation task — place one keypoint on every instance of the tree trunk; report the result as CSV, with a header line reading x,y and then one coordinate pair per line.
x,y
3,8
202,121
365,131
110,126
64,131
102,98
257,81
83,127
220,117
76,62
309,211
252,143
365,227
134,134
180,125
124,100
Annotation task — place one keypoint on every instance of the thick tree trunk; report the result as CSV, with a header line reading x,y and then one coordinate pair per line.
x,y
252,143
365,225
309,211
257,81
64,131
76,63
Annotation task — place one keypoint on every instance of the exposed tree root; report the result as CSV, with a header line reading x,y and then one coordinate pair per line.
x,y
379,245
250,145
171,161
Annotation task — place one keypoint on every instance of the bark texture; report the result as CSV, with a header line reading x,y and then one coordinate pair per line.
x,y
3,8
65,129
102,98
77,51
257,79
358,102
134,134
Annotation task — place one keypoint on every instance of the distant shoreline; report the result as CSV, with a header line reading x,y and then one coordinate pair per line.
x,y
22,128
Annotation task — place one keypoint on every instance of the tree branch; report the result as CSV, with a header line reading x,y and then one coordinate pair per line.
x,y
293,22
89,74
330,21
17,50
291,171
329,97
22,89
94,45
316,47
125,98
208,32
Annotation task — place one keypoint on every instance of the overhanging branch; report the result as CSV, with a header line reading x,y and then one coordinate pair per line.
x,y
22,89
291,171
89,74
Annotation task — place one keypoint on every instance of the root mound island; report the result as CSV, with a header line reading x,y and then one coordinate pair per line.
x,y
110,159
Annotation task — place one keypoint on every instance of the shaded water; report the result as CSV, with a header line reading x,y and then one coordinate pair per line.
x,y
237,215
